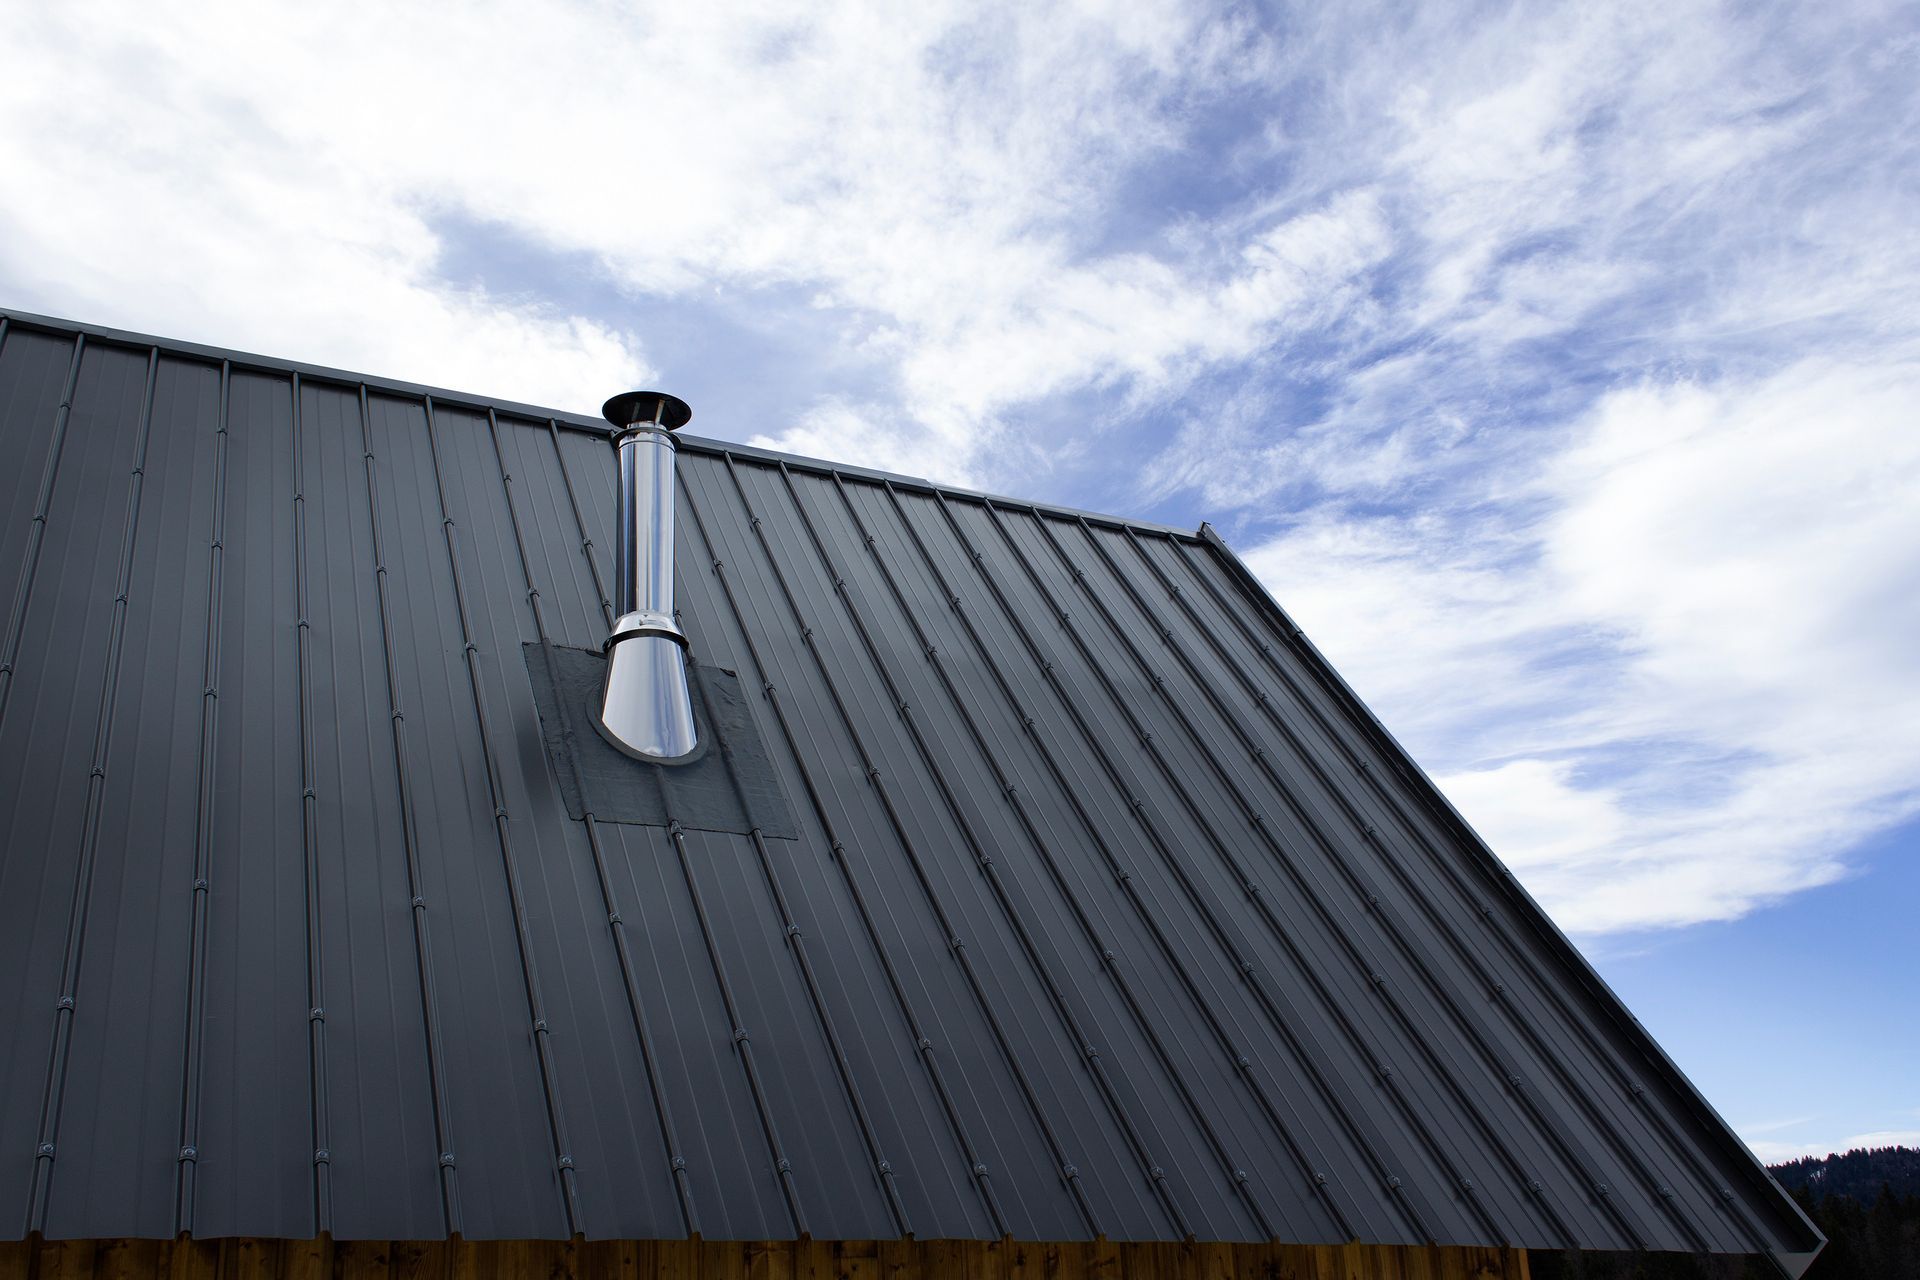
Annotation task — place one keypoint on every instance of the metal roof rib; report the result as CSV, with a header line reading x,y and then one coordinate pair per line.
x,y
310,842
192,1075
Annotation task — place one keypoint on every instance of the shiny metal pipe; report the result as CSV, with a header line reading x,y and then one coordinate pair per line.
x,y
645,707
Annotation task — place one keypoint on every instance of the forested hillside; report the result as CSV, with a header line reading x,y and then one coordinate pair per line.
x,y
1867,1202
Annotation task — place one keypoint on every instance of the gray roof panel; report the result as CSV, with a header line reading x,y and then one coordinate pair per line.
x,y
1112,910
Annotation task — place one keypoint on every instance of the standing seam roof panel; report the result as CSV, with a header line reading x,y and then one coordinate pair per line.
x,y
1111,910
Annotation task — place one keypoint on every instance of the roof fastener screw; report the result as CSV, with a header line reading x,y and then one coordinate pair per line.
x,y
66,1002
446,1159
1726,1193
925,1043
189,1153
1666,1193
1514,1081
613,917
316,1014
793,931
1466,1184
322,1156
885,1166
1107,955
1239,1175
45,1149
740,1035
566,1162
785,1165
979,1171
1603,1189
1244,1060
200,883
540,1024
1394,1183
1068,1171
1090,1051
419,902
679,1162
1320,1179
1533,1184
1499,988
1157,1174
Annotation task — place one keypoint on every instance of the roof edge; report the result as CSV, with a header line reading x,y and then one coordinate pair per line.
x,y
572,421
1792,1264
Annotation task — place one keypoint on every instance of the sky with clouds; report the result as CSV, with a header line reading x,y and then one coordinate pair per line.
x,y
1557,367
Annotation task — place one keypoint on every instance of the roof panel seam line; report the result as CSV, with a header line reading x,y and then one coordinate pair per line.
x,y
1487,980
37,532
516,899
1570,1149
1068,1171
579,524
981,1179
54,1092
192,1065
1334,926
564,1158
1110,961
310,841
1090,1056
1293,634
616,921
410,844
1371,1145
1320,1186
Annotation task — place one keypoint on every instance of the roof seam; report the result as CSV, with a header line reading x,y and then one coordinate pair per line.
x,y
309,844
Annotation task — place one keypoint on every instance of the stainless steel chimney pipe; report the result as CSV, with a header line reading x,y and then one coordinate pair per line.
x,y
645,707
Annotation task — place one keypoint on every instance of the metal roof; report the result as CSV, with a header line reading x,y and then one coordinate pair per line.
x,y
1113,911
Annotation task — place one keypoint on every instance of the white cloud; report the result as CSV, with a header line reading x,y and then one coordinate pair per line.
x,y
276,178
1677,682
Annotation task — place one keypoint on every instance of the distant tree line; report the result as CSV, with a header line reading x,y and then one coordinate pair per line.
x,y
1866,1201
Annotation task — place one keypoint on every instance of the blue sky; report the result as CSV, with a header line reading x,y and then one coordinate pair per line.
x,y
1558,367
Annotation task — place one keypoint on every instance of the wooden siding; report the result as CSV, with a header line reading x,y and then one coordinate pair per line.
x,y
324,1259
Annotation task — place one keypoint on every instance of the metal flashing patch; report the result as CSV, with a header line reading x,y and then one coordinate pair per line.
x,y
727,784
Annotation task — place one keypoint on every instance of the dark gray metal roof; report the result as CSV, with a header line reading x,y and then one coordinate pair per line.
x,y
1113,911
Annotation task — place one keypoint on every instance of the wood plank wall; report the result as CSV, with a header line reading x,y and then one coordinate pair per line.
x,y
326,1259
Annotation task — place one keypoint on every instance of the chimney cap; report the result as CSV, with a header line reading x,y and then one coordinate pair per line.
x,y
638,408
